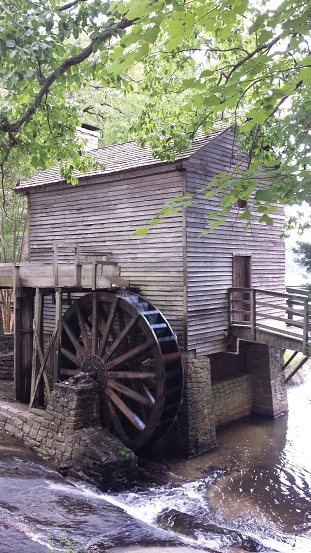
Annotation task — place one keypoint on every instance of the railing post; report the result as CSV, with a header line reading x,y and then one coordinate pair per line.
x,y
290,305
55,263
253,313
230,293
305,338
78,267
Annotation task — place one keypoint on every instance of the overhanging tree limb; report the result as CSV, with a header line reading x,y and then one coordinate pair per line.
x,y
52,78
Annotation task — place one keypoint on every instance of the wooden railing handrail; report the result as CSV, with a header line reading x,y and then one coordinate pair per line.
x,y
285,295
250,310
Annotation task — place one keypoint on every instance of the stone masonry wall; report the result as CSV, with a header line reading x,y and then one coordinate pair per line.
x,y
6,357
265,363
196,424
68,433
233,399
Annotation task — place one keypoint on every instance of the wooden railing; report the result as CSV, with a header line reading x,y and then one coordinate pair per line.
x,y
287,313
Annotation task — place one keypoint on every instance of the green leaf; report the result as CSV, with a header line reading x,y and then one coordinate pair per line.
x,y
142,52
175,28
151,34
141,231
245,215
267,195
266,219
216,224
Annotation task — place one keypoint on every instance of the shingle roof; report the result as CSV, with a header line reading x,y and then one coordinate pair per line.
x,y
120,157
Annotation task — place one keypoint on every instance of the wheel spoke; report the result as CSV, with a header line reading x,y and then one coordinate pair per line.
x,y
139,360
128,355
116,422
130,393
71,357
131,374
83,330
121,319
104,317
147,392
104,338
95,325
127,412
75,342
121,337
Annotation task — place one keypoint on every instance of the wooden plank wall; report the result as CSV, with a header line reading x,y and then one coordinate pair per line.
x,y
210,259
105,211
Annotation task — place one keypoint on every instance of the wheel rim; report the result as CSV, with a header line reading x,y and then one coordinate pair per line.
x,y
136,356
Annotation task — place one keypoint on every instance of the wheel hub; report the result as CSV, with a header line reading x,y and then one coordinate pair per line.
x,y
94,363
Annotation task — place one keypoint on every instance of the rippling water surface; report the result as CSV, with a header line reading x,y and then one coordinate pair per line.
x,y
252,493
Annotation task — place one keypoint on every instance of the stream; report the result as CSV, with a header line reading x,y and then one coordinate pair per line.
x,y
252,493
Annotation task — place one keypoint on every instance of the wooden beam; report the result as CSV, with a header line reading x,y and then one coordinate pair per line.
x,y
17,335
23,334
55,356
55,264
37,350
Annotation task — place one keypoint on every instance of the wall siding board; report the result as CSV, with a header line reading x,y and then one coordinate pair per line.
x,y
184,276
106,215
210,259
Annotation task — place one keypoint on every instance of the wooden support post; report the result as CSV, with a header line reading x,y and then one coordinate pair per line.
x,y
296,369
78,267
55,264
253,313
95,325
17,334
23,339
58,328
37,349
292,357
94,275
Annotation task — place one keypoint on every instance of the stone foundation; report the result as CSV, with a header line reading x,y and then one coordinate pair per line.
x,y
6,357
264,363
233,399
68,433
251,382
196,424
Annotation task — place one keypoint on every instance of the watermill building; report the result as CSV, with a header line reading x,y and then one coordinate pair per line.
x,y
173,324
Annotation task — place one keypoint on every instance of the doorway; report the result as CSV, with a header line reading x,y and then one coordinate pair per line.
x,y
241,278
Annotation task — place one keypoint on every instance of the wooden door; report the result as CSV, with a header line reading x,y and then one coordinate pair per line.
x,y
241,278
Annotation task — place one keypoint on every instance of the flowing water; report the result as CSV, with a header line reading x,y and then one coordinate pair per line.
x,y
252,493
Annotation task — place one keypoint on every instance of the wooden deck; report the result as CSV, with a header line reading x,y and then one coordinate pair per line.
x,y
273,318
89,275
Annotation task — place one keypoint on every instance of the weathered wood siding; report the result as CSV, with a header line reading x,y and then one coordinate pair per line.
x,y
104,211
187,278
209,260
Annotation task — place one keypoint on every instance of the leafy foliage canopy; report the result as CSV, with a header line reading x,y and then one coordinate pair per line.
x,y
232,61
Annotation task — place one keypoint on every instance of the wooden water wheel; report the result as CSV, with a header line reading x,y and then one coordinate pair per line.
x,y
135,353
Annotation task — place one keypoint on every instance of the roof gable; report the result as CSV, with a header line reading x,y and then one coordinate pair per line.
x,y
121,157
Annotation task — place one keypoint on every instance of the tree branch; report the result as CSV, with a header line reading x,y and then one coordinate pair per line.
x,y
52,78
70,5
266,46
